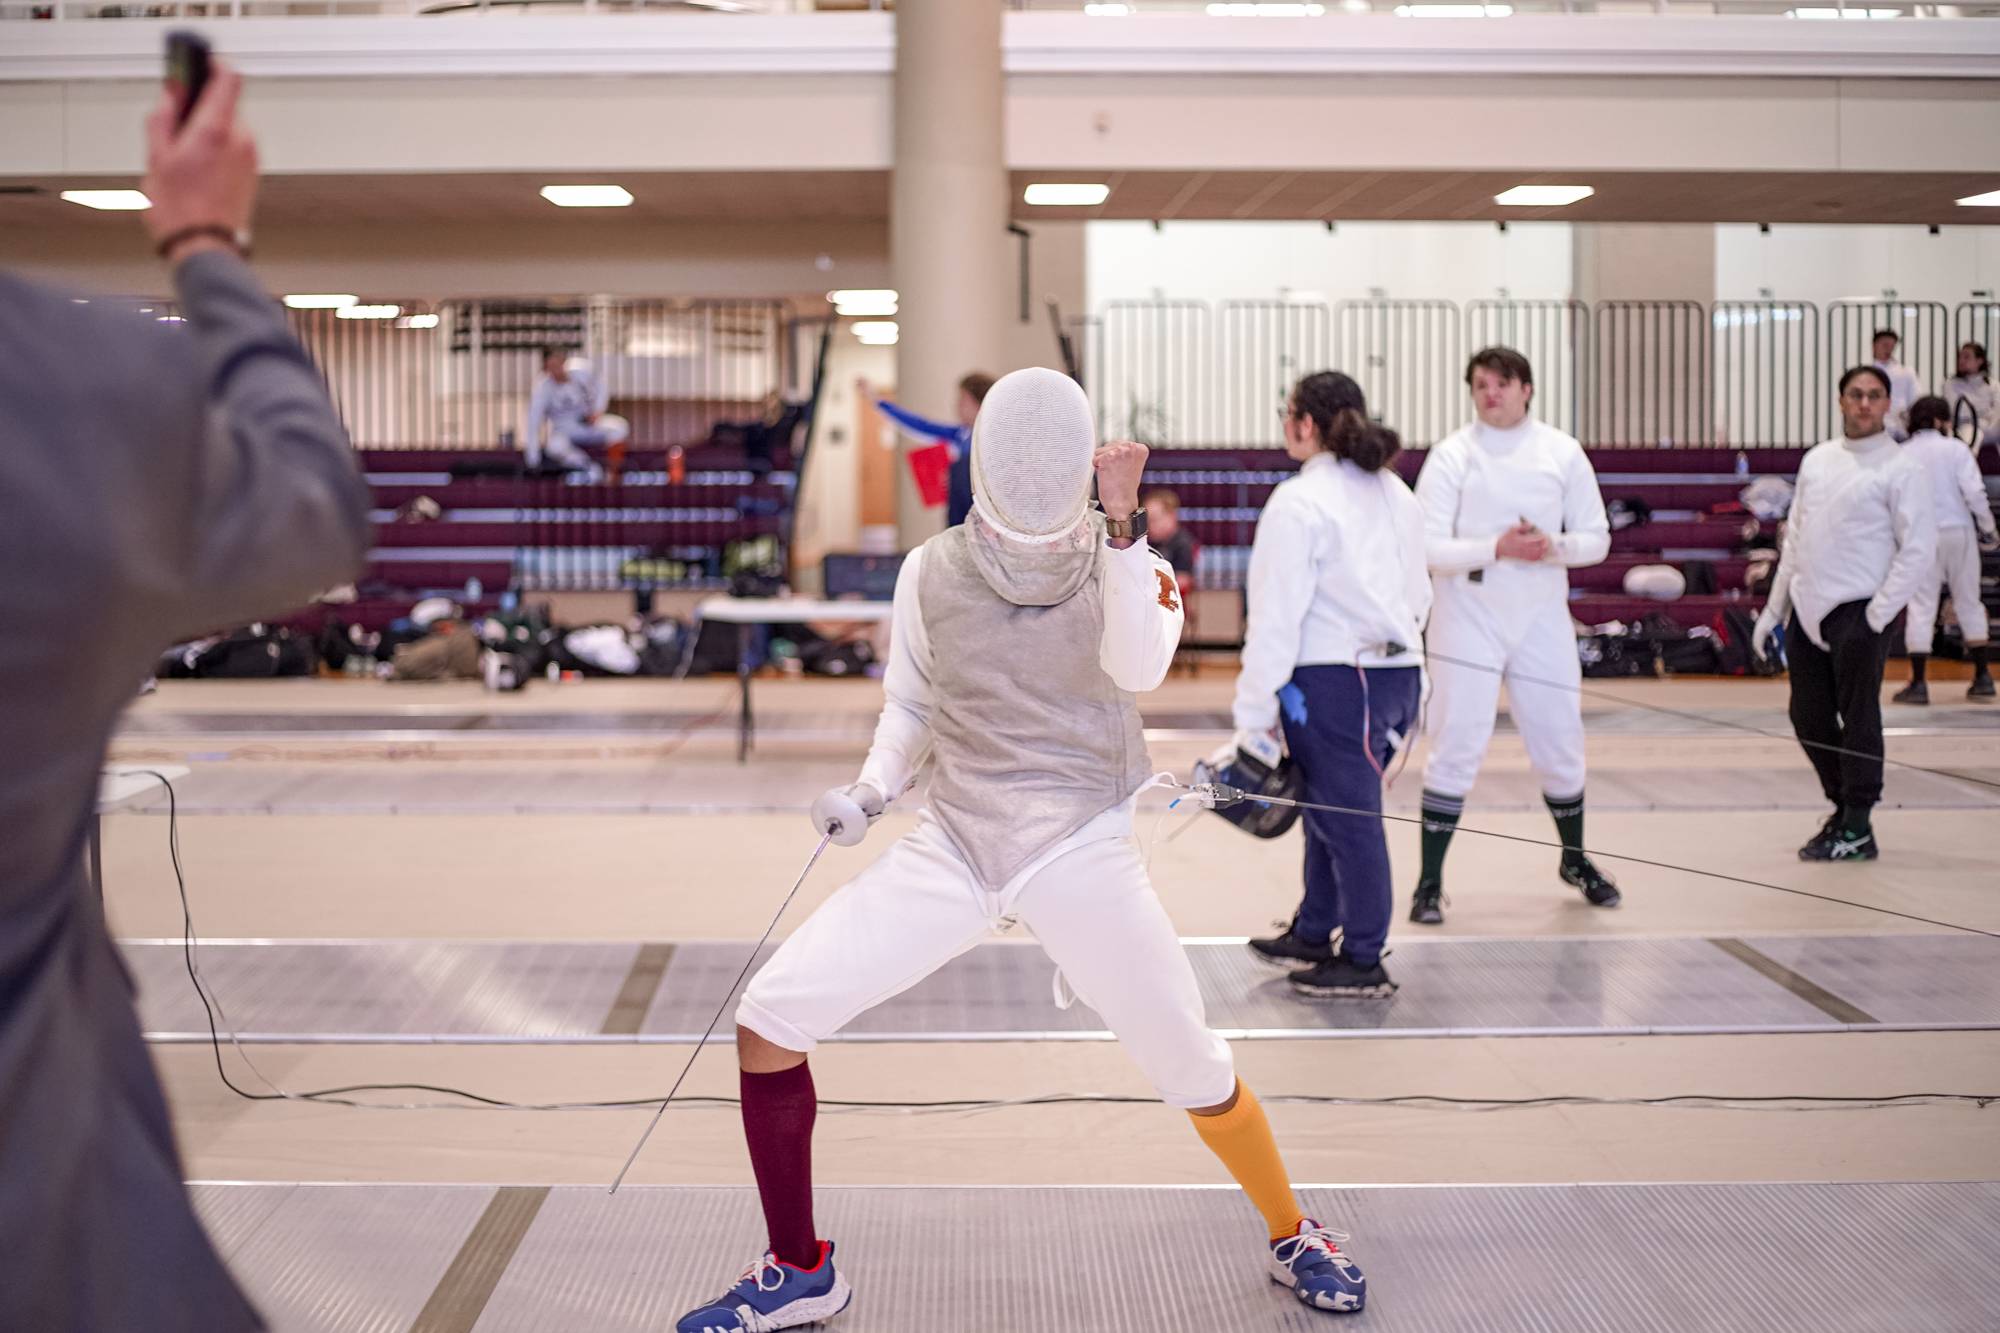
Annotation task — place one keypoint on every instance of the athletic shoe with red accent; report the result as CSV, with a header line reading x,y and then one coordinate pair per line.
x,y
771,1295
1311,1264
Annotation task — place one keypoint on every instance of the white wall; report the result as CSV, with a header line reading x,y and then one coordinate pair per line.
x,y
1195,378
1803,262
1214,261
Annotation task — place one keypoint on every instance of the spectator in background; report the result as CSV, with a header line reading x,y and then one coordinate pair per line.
x,y
158,480
569,404
1860,538
1958,499
1974,384
1166,535
1903,383
971,393
1333,665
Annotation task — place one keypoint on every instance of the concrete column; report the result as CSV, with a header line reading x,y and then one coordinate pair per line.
x,y
949,249
1651,345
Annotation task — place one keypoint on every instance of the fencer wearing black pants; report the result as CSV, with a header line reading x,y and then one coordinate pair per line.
x,y
1861,536
1837,705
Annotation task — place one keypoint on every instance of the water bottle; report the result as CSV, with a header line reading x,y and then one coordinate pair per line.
x,y
1742,464
473,590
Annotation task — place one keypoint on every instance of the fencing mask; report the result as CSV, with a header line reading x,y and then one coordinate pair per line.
x,y
1031,455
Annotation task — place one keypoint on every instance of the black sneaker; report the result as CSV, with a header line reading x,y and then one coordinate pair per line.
x,y
1427,904
1916,692
1338,979
1598,887
1833,843
1982,688
1289,951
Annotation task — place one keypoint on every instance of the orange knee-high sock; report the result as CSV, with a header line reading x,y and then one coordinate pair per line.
x,y
1241,1137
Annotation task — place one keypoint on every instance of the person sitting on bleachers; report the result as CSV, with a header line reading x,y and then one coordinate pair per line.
x,y
1165,534
1973,385
569,404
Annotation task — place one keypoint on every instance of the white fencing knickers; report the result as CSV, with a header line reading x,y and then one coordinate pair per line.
x,y
1538,643
1089,905
1957,566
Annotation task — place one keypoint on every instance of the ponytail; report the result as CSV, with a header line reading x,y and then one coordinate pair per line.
x,y
1334,404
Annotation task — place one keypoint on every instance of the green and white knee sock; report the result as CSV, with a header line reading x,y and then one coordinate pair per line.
x,y
1440,814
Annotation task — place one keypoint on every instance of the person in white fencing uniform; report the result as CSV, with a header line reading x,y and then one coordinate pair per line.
x,y
1861,537
1904,386
1333,664
1958,497
567,407
1019,640
1973,386
1510,504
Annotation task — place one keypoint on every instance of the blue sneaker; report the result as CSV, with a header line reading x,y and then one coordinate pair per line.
x,y
1312,1265
771,1295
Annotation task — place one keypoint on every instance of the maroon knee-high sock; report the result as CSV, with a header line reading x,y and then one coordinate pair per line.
x,y
778,1114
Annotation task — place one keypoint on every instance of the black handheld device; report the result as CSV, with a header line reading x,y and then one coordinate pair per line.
x,y
187,66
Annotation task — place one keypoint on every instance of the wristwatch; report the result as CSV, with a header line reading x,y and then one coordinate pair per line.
x,y
1133,527
237,238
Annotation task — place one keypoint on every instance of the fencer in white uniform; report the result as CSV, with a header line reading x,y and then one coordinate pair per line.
x,y
1510,504
1960,503
1973,386
1019,640
1904,386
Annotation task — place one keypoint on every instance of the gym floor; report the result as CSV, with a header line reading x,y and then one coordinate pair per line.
x,y
616,814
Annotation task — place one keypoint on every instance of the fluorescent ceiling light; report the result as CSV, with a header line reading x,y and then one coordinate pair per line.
x,y
113,200
1111,11
1991,199
417,322
864,301
876,332
587,196
1543,196
1822,13
319,302
1356,6
368,312
1265,11
1058,195
1453,11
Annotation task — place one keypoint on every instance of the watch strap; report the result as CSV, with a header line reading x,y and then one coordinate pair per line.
x,y
1131,528
238,241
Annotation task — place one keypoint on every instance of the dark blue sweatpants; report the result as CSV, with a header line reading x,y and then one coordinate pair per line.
x,y
1335,718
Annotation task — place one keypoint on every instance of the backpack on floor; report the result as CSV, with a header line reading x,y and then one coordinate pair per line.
x,y
1734,628
1608,656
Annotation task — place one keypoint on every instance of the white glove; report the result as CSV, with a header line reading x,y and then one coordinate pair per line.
x,y
1760,637
844,813
1263,746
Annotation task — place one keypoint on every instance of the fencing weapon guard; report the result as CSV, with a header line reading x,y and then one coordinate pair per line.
x,y
1261,799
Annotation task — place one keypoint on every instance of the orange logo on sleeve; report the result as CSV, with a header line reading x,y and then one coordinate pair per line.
x,y
1167,590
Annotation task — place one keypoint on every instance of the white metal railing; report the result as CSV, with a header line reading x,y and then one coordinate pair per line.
x,y
1109,10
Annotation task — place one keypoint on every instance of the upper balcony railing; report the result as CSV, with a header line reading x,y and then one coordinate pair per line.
x,y
1109,10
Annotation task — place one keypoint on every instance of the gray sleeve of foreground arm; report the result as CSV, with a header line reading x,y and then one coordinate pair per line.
x,y
281,510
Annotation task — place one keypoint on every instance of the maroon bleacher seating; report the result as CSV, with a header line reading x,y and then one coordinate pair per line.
x,y
1689,612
